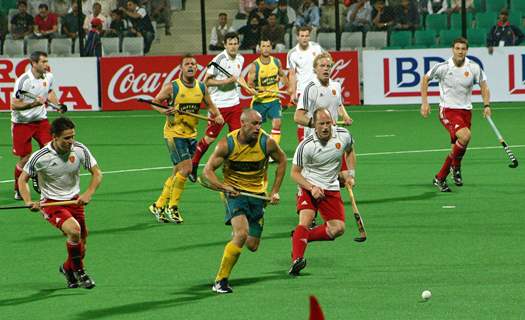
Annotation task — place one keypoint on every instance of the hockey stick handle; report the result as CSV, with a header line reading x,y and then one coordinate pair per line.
x,y
242,193
357,216
29,95
47,204
495,129
229,75
198,116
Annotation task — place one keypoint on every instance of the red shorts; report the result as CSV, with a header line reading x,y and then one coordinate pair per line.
x,y
23,132
59,214
453,120
232,117
330,207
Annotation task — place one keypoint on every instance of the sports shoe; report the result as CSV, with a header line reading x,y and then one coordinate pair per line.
x,y
193,175
84,280
17,195
172,214
71,280
297,266
157,212
456,176
441,185
222,286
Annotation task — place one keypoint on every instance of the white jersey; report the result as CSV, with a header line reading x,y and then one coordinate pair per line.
x,y
455,83
317,95
37,87
302,61
320,163
58,175
227,95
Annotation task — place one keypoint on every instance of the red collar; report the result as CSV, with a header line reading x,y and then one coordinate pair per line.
x,y
501,24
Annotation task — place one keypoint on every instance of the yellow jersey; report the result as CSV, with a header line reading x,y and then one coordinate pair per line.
x,y
266,78
245,168
186,99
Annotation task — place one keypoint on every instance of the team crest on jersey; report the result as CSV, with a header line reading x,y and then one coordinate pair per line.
x,y
71,158
333,92
338,146
466,74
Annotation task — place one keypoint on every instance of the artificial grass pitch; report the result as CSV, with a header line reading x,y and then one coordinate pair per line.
x,y
465,246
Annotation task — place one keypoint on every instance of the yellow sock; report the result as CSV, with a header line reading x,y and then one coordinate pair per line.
x,y
229,258
166,191
276,135
178,188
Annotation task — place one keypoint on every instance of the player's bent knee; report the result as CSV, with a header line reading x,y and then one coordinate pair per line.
x,y
240,236
336,230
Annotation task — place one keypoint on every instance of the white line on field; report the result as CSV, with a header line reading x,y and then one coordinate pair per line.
x,y
448,207
289,159
385,135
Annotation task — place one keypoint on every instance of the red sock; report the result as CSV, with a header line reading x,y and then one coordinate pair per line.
x,y
18,172
319,233
458,151
299,242
201,149
445,169
74,252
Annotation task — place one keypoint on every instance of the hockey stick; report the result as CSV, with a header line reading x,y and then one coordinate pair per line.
x,y
48,204
512,157
198,116
273,91
22,93
229,75
357,216
207,185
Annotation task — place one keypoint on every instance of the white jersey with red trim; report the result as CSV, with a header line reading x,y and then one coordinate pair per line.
x,y
302,61
36,86
226,95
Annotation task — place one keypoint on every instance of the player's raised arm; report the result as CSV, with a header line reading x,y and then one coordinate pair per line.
x,y
163,95
210,81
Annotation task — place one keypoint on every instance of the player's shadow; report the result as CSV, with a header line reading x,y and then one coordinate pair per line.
x,y
133,228
188,295
41,294
423,196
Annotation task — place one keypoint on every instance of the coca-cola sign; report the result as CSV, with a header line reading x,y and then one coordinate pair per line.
x,y
126,79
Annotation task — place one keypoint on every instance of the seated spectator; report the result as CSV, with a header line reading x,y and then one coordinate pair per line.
x,y
359,17
245,7
161,13
97,14
118,27
309,15
60,7
251,34
437,6
141,23
274,32
22,22
407,16
219,31
383,17
70,22
46,23
504,34
286,15
261,12
455,6
93,46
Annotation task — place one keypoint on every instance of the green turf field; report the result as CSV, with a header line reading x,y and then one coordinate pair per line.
x,y
466,246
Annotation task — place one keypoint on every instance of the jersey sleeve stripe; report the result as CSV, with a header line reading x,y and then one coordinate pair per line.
x,y
301,150
305,95
434,69
21,83
36,156
87,160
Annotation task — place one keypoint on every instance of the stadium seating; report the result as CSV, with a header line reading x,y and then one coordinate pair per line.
x,y
495,5
133,46
13,48
455,21
400,39
424,39
446,37
37,45
437,22
376,39
477,37
327,40
351,40
110,46
61,47
486,20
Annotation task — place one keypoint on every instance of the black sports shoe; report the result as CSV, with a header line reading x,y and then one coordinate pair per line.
x,y
297,266
193,175
84,280
71,280
456,176
441,185
222,286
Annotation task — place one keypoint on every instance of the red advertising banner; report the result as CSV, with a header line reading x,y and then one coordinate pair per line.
x,y
125,79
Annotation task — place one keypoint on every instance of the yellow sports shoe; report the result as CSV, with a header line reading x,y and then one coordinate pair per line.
x,y
172,214
158,213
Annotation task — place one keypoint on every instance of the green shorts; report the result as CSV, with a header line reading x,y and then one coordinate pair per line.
x,y
250,207
270,110
181,149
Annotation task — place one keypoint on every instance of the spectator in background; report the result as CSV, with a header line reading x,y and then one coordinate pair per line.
x,y
285,14
504,34
219,31
46,23
309,15
161,13
97,14
33,6
60,7
141,23
22,22
261,12
70,22
93,43
245,7
359,17
383,17
271,4
118,27
455,6
274,32
437,6
251,34
407,15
